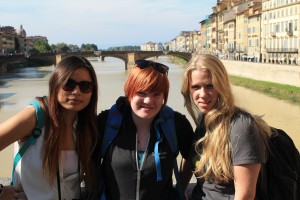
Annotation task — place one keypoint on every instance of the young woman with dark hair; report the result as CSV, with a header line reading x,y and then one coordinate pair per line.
x,y
53,167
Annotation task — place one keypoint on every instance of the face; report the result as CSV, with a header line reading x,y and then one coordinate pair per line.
x,y
145,105
75,100
202,91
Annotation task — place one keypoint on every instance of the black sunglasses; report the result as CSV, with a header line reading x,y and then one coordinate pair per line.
x,y
142,64
85,86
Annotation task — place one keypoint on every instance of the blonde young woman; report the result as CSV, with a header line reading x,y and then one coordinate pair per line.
x,y
53,167
230,143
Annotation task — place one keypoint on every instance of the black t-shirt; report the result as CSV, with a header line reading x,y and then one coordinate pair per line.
x,y
120,167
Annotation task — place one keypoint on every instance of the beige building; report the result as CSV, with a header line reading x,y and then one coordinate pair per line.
x,y
254,33
280,35
193,41
7,40
14,41
229,33
149,46
204,35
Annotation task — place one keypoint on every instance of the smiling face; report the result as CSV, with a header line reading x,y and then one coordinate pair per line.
x,y
202,91
75,100
146,105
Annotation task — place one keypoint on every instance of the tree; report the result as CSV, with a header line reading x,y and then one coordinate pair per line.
x,y
42,46
53,47
89,47
62,48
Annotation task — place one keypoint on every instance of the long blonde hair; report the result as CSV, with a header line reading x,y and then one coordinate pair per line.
x,y
215,152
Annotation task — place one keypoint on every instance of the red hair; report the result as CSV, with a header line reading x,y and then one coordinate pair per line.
x,y
146,80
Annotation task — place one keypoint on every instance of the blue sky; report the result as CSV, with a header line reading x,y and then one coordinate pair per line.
x,y
105,23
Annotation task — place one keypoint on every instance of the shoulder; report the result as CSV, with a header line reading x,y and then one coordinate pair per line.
x,y
179,116
102,116
241,119
182,123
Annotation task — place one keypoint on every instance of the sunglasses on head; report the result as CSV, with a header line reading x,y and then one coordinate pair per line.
x,y
142,64
85,86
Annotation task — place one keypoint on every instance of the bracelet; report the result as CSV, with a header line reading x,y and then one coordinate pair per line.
x,y
1,190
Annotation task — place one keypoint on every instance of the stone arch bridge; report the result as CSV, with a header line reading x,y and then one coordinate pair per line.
x,y
128,57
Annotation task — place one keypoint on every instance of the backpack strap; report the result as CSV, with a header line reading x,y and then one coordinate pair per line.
x,y
165,121
167,124
168,127
35,134
112,127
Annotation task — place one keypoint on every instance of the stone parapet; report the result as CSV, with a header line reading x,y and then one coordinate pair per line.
x,y
283,74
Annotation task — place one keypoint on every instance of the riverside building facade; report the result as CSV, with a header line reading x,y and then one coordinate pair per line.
x,y
250,30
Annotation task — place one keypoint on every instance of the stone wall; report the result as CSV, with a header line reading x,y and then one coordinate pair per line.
x,y
283,74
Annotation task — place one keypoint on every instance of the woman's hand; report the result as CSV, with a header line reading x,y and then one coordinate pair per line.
x,y
11,193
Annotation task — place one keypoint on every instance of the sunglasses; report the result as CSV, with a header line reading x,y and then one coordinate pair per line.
x,y
142,64
85,86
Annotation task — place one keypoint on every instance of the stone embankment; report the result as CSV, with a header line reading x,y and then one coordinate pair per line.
x,y
283,74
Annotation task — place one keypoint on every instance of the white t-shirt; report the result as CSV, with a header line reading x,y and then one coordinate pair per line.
x,y
29,174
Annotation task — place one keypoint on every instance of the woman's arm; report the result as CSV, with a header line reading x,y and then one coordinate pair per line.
x,y
17,127
245,179
186,174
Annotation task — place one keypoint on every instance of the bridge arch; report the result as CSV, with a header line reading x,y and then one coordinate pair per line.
x,y
128,57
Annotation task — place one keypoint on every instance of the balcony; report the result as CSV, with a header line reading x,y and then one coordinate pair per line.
x,y
282,50
273,34
289,33
230,50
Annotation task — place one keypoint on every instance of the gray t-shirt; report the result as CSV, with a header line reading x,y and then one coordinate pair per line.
x,y
247,147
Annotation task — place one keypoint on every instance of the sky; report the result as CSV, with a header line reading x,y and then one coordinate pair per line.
x,y
105,23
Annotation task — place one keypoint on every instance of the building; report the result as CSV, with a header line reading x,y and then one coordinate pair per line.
x,y
280,35
7,40
149,46
254,33
14,41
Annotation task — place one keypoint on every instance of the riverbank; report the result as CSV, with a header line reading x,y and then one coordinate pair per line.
x,y
258,82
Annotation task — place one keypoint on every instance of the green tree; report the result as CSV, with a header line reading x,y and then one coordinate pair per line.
x,y
42,46
88,47
62,48
53,47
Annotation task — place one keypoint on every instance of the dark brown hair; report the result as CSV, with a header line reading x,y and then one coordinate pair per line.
x,y
86,131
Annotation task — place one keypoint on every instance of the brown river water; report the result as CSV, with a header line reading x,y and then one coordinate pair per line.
x,y
18,89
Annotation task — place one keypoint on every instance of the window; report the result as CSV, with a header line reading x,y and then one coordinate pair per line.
x,y
277,28
291,26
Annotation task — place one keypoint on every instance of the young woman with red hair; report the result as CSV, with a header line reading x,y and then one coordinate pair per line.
x,y
129,164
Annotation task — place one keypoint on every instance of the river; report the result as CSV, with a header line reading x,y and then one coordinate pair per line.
x,y
18,89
